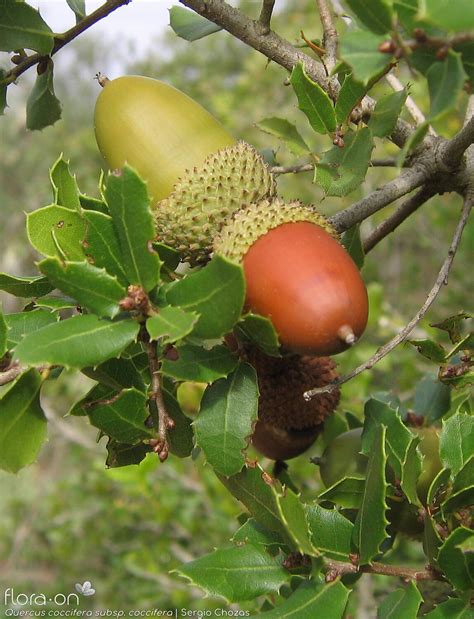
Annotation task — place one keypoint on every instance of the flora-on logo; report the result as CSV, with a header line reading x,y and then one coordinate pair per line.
x,y
85,589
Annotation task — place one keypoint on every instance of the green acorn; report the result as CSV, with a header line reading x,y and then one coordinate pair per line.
x,y
205,198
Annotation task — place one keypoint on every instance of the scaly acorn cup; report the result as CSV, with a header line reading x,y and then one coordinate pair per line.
x,y
298,275
155,128
287,424
207,196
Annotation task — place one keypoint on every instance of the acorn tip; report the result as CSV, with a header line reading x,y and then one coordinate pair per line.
x,y
347,335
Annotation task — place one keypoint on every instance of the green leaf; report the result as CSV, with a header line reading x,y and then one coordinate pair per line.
x,y
3,93
348,493
432,398
65,189
313,101
236,573
216,292
93,204
360,50
181,437
21,26
429,349
228,412
350,95
369,528
101,245
287,132
3,335
25,287
78,7
57,231
77,342
120,454
455,443
55,304
169,256
375,14
313,599
331,532
171,324
442,13
190,26
22,423
43,108
252,532
199,364
129,206
353,243
341,170
453,326
406,10
93,288
467,54
260,331
445,82
116,374
293,515
451,609
23,323
386,112
401,603
456,559
98,393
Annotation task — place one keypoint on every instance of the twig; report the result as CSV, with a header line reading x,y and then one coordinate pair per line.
x,y
292,169
383,163
403,212
330,38
453,150
66,37
266,16
339,568
410,104
165,423
441,280
391,191
11,373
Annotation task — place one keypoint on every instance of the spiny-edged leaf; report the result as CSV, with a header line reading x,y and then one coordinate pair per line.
x,y
65,189
3,335
98,393
101,245
216,292
25,287
90,203
57,231
466,343
252,532
341,170
21,26
442,13
453,326
413,141
23,323
438,486
199,364
465,477
287,132
3,93
410,472
181,437
454,608
349,96
22,423
93,288
171,324
445,82
129,206
120,454
353,243
55,304
401,603
293,515
331,532
313,599
122,417
456,442
347,492
313,101
169,256
467,54
456,558
369,528
43,108
432,398
237,573
261,332
190,26
431,539
359,49
386,112
78,7
256,490
375,14
227,414
77,342
462,499
116,374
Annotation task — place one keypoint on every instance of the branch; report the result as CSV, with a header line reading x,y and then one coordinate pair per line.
x,y
453,150
410,104
406,182
266,16
403,212
66,37
330,38
308,167
338,568
11,373
405,332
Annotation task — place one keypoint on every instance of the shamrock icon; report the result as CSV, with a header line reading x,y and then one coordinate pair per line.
x,y
85,589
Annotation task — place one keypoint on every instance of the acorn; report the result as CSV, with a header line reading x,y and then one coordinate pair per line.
x,y
155,128
207,196
287,424
297,274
